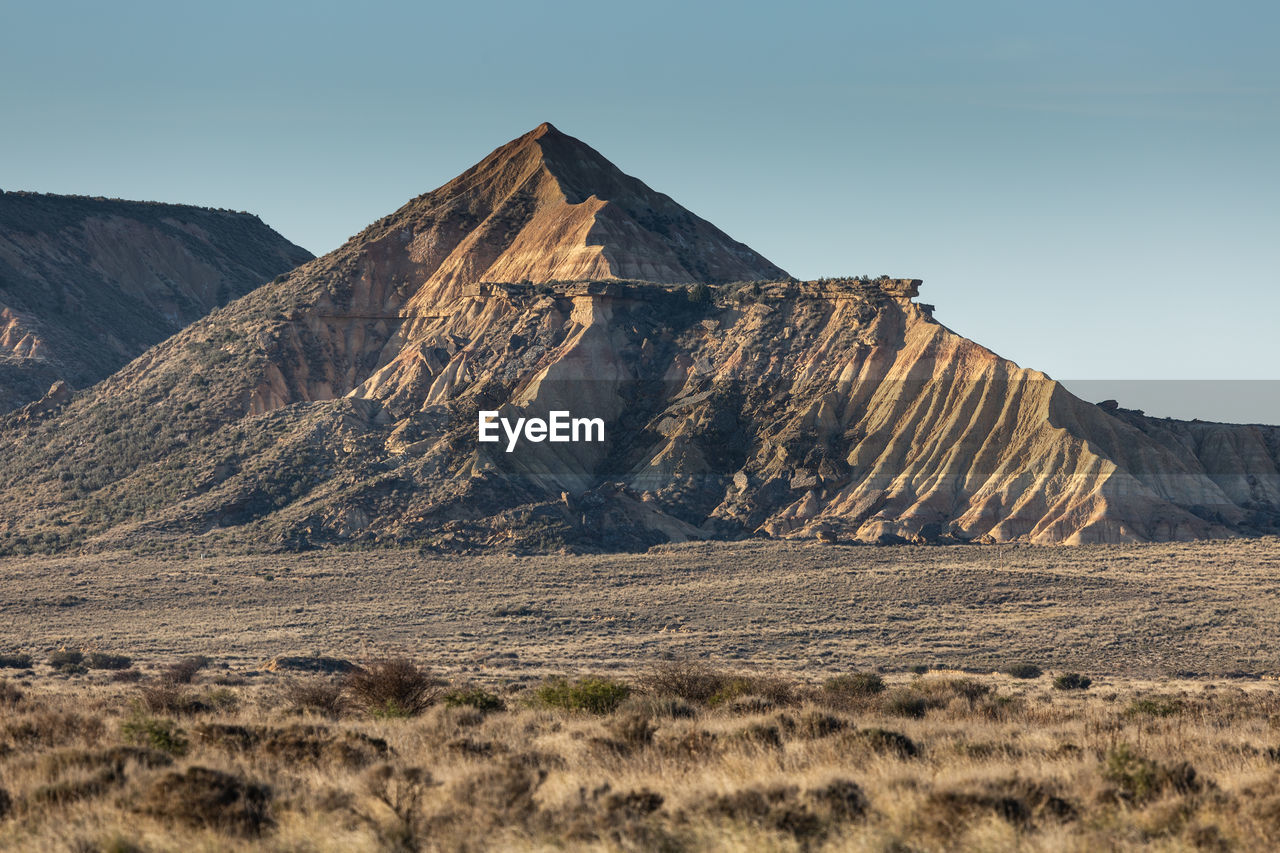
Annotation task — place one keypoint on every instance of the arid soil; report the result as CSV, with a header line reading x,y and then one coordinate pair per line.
x,y
1143,610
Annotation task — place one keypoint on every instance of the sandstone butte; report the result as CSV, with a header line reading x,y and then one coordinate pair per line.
x,y
338,403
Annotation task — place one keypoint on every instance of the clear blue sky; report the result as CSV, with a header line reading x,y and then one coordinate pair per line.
x,y
1088,188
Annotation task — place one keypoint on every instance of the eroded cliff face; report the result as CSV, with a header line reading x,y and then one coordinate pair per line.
x,y
340,402
88,284
790,409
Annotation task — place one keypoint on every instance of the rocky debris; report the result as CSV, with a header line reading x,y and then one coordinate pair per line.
x,y
54,399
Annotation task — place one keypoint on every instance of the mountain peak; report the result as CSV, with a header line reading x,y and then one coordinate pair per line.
x,y
547,206
544,129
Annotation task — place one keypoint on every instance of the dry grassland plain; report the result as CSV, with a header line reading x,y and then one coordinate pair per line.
x,y
749,696
1149,610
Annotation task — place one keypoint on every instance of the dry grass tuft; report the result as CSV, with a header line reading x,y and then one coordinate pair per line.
x,y
204,798
10,695
1019,802
316,695
102,660
851,690
69,791
185,670
48,727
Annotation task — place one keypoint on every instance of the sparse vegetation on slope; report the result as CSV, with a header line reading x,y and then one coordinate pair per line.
x,y
90,282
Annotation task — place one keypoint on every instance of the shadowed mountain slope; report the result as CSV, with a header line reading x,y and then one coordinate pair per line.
x,y
86,284
340,402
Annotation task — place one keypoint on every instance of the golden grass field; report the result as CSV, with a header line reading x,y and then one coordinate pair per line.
x,y
696,697
940,761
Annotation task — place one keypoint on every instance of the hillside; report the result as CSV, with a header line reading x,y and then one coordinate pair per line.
x,y
339,403
87,284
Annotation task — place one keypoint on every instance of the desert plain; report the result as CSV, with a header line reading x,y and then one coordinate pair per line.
x,y
729,696
1205,608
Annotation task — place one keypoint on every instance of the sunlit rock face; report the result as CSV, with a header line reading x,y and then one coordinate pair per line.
x,y
340,402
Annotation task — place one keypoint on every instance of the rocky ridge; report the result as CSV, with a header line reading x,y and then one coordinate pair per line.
x,y
87,284
340,402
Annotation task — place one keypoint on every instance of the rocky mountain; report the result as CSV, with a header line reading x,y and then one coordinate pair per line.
x,y
87,284
342,402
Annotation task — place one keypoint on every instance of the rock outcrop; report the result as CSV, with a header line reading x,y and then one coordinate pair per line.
x,y
340,402
86,284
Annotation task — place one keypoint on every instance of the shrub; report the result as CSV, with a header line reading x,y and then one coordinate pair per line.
x,y
155,733
317,695
204,798
594,695
634,731
481,700
166,697
816,724
184,671
67,660
1139,778
766,690
18,661
48,727
661,706
856,685
700,294
1154,706
10,696
1024,670
886,741
70,791
904,703
843,799
1072,681
393,687
940,692
99,660
689,680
